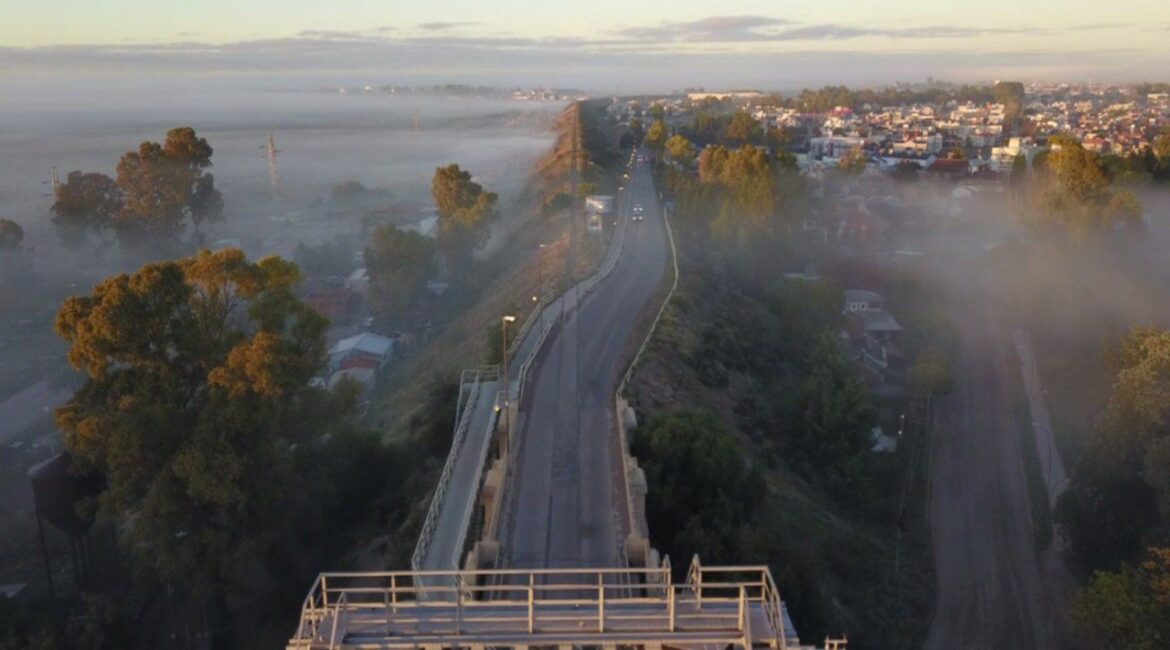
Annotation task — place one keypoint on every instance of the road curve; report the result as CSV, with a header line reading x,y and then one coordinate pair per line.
x,y
566,499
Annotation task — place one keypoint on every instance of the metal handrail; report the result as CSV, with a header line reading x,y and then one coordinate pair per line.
x,y
424,539
712,599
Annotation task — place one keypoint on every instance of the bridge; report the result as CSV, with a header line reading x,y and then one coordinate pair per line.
x,y
545,541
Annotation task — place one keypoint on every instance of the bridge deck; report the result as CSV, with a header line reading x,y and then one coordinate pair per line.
x,y
606,607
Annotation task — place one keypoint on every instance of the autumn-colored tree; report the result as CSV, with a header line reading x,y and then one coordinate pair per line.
x,y
399,263
85,204
658,112
680,150
196,399
464,211
656,136
163,186
1071,195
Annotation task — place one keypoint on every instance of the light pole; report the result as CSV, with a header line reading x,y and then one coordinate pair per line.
x,y
504,348
539,273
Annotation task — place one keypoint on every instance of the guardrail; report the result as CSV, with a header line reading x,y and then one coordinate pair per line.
x,y
580,606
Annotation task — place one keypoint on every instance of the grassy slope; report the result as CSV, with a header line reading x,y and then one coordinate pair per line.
x,y
839,571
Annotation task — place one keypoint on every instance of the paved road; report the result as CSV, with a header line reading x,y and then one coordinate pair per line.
x,y
566,502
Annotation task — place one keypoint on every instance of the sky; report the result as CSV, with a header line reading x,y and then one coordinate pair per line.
x,y
599,45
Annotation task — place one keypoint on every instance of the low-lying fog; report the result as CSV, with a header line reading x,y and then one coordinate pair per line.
x,y
324,137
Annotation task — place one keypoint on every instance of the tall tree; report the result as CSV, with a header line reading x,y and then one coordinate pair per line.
x,y
85,204
656,136
196,400
399,264
464,211
163,186
835,419
1011,95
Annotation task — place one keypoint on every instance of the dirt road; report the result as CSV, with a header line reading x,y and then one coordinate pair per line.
x,y
993,591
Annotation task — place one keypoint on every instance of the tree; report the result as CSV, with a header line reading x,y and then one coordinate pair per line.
x,y
658,112
1120,490
399,263
1161,152
1129,608
656,137
560,202
637,130
835,420
11,235
196,400
680,150
464,211
854,162
85,204
1011,95
777,138
703,492
1071,195
743,128
164,185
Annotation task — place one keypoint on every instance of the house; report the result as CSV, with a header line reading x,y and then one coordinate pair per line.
x,y
364,350
873,334
332,303
861,300
358,282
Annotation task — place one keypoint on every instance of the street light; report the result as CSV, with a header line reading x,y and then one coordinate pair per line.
x,y
504,345
539,272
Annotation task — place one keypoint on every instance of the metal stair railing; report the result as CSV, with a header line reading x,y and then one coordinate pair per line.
x,y
463,423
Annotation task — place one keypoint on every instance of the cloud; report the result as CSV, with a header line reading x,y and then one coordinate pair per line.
x,y
440,26
718,51
1090,27
766,29
714,28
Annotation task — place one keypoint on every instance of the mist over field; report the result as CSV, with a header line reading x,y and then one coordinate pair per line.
x,y
324,137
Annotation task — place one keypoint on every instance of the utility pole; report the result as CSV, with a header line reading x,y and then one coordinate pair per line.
x,y
56,179
273,170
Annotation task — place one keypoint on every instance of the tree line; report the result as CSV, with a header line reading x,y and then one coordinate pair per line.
x,y
1116,510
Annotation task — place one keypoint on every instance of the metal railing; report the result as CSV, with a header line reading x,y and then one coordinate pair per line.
x,y
722,605
469,383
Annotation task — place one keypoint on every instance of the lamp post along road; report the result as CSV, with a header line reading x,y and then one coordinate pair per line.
x,y
504,349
